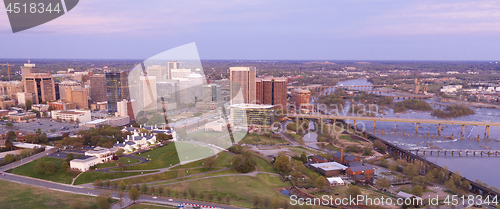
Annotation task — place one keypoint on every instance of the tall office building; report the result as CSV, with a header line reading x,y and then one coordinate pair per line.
x,y
11,88
259,91
117,88
179,73
127,108
159,71
78,96
65,85
302,100
274,91
149,94
212,93
41,85
242,86
97,88
171,65
28,68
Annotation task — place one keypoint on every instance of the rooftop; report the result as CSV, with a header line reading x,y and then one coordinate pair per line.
x,y
84,159
329,166
251,106
361,168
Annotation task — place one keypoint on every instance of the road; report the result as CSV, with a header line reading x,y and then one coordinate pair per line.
x,y
27,160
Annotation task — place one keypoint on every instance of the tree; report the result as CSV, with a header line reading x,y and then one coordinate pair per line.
x,y
320,183
411,170
192,193
64,166
44,138
210,163
201,195
11,134
429,177
282,163
9,158
210,196
134,194
275,203
161,189
9,125
122,185
228,198
383,183
120,152
168,191
144,188
256,201
417,190
219,198
29,103
70,156
354,191
45,167
104,200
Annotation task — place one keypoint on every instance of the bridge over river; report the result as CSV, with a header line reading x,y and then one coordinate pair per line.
x,y
403,120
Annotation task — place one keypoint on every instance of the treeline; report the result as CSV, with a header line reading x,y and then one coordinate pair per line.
x,y
453,112
105,136
24,153
411,104
337,98
367,98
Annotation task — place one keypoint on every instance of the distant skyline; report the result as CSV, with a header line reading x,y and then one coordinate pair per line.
x,y
263,30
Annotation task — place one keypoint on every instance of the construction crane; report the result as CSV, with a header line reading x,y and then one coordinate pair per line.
x,y
8,68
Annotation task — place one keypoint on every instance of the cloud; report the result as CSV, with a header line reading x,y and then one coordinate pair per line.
x,y
155,17
436,18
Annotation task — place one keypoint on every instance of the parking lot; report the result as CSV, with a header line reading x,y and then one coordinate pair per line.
x,y
52,128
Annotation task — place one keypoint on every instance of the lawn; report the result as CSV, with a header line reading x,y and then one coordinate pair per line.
x,y
223,160
260,140
171,174
262,185
217,173
168,155
124,160
221,139
89,177
264,166
59,176
14,195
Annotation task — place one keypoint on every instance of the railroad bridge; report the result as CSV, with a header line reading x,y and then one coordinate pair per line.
x,y
458,152
410,157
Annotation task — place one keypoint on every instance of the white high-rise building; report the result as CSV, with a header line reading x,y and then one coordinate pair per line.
x,y
179,73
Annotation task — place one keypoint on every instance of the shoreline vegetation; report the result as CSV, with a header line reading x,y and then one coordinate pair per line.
x,y
411,104
453,111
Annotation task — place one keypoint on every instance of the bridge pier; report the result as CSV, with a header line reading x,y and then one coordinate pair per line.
x,y
487,131
395,124
462,131
374,124
439,129
452,153
431,152
416,129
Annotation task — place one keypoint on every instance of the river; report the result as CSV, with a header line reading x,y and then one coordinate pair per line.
x,y
483,168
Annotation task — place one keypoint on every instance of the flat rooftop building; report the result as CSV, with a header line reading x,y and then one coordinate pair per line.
x,y
329,168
